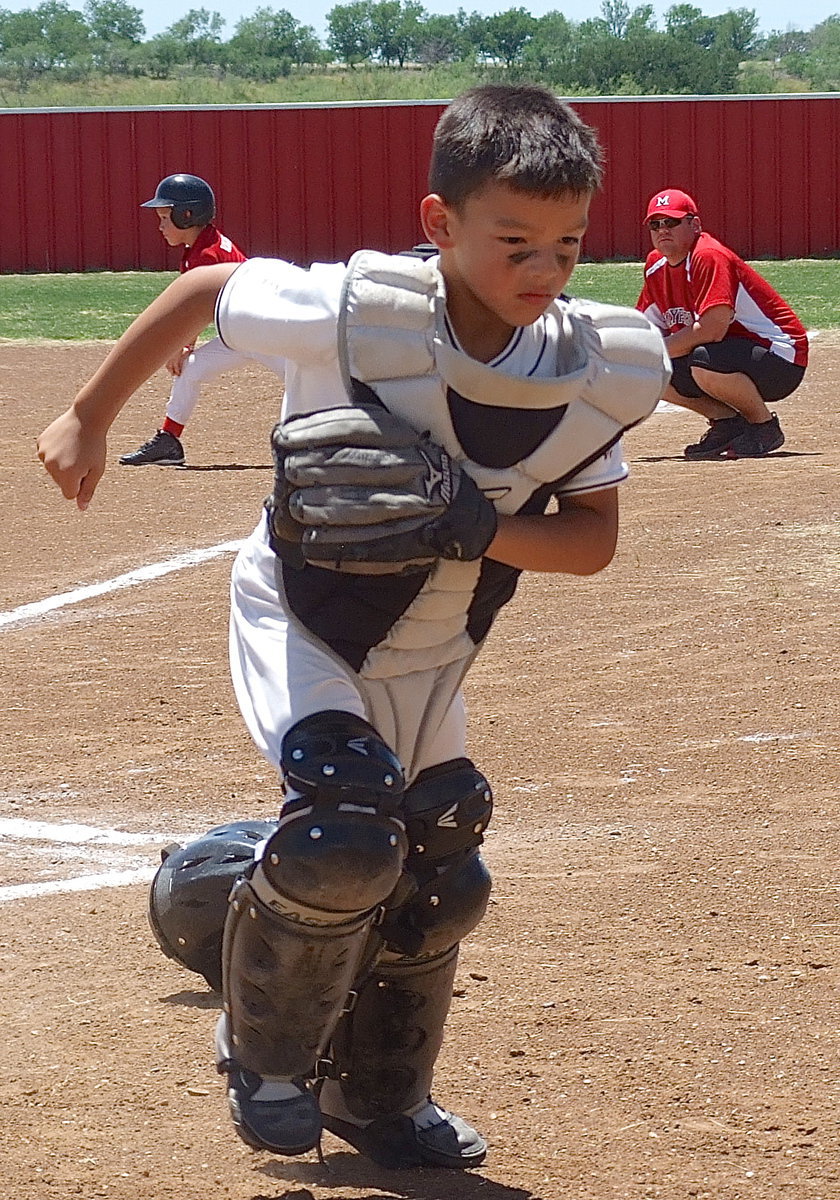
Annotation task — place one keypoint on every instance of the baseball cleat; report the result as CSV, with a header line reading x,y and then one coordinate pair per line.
x,y
717,438
756,441
426,1136
279,1116
162,450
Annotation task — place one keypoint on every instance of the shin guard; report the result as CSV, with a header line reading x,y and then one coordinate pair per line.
x,y
298,924
286,983
384,1050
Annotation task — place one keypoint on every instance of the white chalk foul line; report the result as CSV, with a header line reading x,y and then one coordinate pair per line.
x,y
85,883
70,834
191,558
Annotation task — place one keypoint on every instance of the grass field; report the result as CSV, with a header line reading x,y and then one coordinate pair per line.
x,y
101,305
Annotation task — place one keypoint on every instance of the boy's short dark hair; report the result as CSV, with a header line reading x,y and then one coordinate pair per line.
x,y
520,135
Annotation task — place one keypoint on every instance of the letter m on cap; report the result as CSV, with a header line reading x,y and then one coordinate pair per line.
x,y
663,201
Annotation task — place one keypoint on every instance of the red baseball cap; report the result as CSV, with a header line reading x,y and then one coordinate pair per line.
x,y
671,202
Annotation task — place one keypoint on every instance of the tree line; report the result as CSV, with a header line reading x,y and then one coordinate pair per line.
x,y
623,51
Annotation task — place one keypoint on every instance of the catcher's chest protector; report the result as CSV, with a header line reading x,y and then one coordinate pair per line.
x,y
611,369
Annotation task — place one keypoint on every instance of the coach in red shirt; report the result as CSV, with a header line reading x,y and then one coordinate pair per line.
x,y
735,345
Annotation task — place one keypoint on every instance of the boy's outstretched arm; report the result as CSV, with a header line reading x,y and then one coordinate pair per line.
x,y
73,447
580,539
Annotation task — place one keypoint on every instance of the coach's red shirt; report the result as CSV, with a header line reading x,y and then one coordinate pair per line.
x,y
211,246
674,297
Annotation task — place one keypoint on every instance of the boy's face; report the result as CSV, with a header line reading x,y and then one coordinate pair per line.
x,y
171,233
505,254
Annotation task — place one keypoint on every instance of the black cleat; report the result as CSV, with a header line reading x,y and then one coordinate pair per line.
x,y
399,1143
717,438
275,1115
290,1126
163,450
756,441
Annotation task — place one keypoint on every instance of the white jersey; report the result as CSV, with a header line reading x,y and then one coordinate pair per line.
x,y
307,640
271,307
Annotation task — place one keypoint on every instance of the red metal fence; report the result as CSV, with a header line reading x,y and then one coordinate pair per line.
x,y
314,182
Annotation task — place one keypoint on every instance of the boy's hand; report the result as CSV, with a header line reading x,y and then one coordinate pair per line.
x,y
374,497
74,456
175,365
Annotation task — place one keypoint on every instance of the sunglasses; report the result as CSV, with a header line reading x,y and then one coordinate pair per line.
x,y
668,222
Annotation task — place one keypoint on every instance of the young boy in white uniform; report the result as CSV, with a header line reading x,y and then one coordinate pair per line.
x,y
434,412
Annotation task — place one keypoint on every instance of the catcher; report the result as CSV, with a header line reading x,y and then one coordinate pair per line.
x,y
434,412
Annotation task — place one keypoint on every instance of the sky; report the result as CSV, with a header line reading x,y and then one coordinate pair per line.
x,y
160,14
772,14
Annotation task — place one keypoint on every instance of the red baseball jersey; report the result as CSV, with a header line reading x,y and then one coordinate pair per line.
x,y
674,297
211,246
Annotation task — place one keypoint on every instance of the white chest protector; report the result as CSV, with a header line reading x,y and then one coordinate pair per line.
x,y
611,370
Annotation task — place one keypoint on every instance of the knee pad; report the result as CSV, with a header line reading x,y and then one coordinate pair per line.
x,y
188,897
446,812
340,842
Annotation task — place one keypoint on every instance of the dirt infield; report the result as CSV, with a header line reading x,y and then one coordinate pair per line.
x,y
650,1009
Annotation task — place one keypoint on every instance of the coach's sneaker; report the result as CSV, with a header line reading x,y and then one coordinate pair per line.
x,y
163,450
278,1115
717,438
424,1136
757,440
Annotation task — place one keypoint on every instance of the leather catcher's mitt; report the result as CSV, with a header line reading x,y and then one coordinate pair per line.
x,y
372,496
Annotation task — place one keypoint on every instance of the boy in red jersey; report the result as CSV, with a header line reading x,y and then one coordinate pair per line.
x,y
734,343
185,206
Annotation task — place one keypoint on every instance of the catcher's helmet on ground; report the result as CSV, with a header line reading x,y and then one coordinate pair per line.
x,y
188,897
190,198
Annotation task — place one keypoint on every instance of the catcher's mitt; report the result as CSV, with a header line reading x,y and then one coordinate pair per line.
x,y
372,496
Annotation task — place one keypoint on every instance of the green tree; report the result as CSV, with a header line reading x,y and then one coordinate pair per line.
x,y
394,28
51,37
601,61
737,30
688,23
820,65
551,52
442,38
114,21
200,33
506,34
350,34
641,22
117,31
777,44
19,28
162,55
615,14
269,42
677,65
